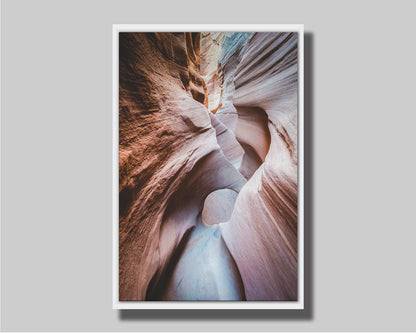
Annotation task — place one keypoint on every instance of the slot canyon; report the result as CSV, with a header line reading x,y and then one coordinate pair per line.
x,y
208,166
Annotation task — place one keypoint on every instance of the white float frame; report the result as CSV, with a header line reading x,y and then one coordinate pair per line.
x,y
299,304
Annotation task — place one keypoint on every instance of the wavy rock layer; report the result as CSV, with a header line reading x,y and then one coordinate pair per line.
x,y
207,166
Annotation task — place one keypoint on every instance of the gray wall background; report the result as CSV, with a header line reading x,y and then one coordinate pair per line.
x,y
56,164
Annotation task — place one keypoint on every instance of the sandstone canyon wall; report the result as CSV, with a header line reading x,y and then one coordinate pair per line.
x,y
208,166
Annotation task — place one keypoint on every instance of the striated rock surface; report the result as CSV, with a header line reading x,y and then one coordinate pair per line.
x,y
208,166
262,233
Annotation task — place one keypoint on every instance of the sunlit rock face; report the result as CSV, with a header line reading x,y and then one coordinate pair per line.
x,y
208,166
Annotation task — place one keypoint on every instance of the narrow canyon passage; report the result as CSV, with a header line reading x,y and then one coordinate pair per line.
x,y
208,166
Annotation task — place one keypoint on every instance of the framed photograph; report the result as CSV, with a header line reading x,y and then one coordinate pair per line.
x,y
208,167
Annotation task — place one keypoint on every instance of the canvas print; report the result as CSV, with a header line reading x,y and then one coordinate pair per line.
x,y
208,166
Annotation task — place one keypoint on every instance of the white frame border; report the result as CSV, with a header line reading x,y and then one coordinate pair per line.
x,y
299,304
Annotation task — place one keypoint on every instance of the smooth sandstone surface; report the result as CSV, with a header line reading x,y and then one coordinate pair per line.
x,y
262,233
